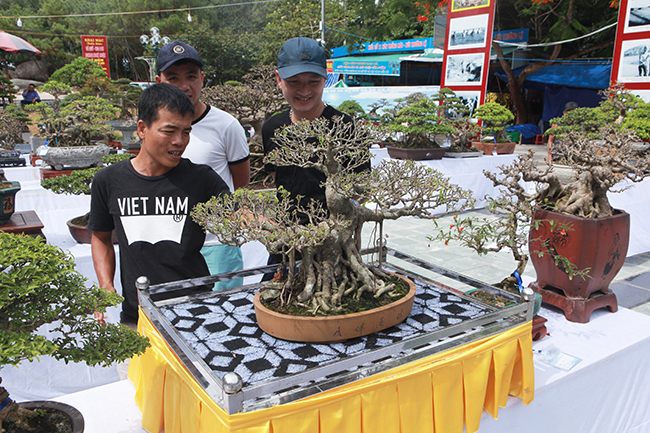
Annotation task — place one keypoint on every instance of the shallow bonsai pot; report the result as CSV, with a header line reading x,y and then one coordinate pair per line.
x,y
74,156
8,201
81,234
76,418
415,154
332,329
488,148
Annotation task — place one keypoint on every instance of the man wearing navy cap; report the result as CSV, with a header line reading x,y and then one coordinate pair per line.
x,y
217,139
301,75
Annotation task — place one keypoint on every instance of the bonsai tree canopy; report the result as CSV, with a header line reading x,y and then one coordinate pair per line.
x,y
332,268
495,117
39,285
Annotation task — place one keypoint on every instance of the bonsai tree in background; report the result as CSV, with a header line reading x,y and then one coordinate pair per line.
x,y
251,102
418,118
7,90
56,89
76,73
332,270
76,122
610,163
353,109
13,122
39,285
494,117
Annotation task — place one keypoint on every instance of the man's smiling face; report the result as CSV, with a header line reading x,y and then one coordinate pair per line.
x,y
164,141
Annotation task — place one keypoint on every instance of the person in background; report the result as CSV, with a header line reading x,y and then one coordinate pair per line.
x,y
147,200
30,96
301,74
217,139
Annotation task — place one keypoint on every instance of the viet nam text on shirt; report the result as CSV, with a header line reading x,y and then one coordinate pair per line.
x,y
162,220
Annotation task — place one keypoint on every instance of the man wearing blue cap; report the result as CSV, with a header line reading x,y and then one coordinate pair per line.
x,y
301,75
217,139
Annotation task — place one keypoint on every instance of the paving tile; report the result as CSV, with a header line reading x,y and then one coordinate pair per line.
x,y
642,280
628,295
643,308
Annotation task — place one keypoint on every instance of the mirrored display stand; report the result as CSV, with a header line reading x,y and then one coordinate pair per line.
x,y
244,369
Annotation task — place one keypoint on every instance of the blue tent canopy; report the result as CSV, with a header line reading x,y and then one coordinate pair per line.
x,y
580,75
561,83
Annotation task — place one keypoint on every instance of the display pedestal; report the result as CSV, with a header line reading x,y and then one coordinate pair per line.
x,y
47,173
577,309
26,222
539,328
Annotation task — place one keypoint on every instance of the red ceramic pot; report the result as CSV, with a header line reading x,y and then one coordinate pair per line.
x,y
596,243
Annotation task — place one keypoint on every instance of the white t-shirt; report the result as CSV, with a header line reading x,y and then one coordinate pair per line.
x,y
217,139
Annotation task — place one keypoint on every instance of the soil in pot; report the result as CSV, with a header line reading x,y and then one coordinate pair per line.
x,y
490,299
46,417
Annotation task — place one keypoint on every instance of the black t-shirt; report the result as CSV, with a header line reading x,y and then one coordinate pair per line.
x,y
307,182
151,215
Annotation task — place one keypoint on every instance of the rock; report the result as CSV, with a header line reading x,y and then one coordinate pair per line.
x,y
36,70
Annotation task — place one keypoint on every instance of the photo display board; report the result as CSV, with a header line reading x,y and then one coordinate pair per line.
x,y
631,62
467,47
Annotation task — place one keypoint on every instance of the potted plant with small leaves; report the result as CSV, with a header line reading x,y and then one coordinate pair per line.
x,y
39,285
494,118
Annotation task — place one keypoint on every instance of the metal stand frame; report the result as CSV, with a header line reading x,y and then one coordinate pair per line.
x,y
228,392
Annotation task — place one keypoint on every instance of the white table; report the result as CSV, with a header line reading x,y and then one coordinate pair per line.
x,y
607,391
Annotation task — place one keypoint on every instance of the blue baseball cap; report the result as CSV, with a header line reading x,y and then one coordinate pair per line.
x,y
300,55
176,51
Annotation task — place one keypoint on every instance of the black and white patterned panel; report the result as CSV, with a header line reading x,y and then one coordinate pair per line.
x,y
223,331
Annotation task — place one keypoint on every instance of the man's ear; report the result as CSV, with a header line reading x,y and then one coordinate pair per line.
x,y
277,77
141,129
158,79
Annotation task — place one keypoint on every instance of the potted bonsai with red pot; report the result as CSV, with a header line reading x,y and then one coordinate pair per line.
x,y
494,118
412,127
38,286
576,240
333,283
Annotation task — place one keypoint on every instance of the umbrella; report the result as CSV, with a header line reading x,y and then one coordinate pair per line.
x,y
14,44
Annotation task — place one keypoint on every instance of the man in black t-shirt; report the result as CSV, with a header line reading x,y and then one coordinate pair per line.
x,y
148,200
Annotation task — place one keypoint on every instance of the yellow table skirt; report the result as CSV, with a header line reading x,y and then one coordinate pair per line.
x,y
440,393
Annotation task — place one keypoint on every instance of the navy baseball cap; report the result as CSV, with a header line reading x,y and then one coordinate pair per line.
x,y
177,51
299,55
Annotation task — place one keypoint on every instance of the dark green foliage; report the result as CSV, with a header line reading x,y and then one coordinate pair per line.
x,y
78,182
39,285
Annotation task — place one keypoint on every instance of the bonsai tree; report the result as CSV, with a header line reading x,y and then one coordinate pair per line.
x,y
332,270
7,89
418,118
495,117
598,166
251,102
39,285
456,115
74,122
76,73
353,109
13,122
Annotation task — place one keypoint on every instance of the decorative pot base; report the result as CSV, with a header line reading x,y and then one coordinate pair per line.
x,y
577,309
333,329
415,154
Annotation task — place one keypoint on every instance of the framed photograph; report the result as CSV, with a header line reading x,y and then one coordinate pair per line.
x,y
470,99
468,32
634,64
637,16
463,5
464,69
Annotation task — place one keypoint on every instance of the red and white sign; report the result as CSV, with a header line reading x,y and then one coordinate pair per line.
x,y
468,42
96,49
631,63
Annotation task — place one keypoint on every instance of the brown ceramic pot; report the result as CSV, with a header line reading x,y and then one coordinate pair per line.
x,y
488,148
596,243
81,234
332,329
415,154
76,425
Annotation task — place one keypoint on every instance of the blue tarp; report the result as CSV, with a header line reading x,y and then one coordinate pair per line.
x,y
562,83
580,75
